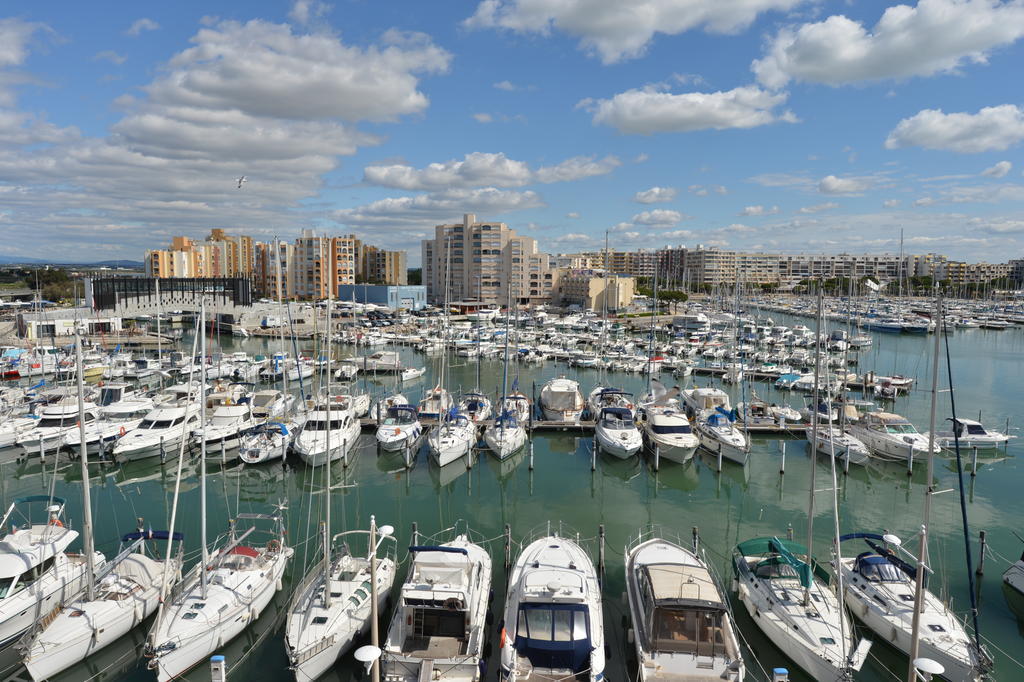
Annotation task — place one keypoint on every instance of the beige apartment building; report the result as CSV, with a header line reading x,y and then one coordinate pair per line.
x,y
381,266
532,275
593,290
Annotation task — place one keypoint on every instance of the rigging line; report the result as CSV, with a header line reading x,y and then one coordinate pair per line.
x,y
963,499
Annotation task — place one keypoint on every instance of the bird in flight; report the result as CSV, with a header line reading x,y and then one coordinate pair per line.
x,y
241,181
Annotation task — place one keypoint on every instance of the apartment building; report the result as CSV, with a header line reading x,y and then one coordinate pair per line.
x,y
466,258
593,290
272,278
532,275
640,263
380,266
320,264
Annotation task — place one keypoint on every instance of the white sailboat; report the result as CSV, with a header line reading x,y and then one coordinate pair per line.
x,y
115,600
225,592
506,435
335,603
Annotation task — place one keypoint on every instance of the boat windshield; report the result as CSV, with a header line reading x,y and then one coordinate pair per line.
x,y
60,422
976,430
671,428
554,636
264,399
686,630
399,419
900,428
877,569
321,425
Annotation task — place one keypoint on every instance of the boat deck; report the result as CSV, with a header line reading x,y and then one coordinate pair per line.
x,y
433,647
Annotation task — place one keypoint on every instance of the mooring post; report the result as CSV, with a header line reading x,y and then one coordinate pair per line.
x,y
696,539
657,455
508,547
981,556
600,551
415,533
782,464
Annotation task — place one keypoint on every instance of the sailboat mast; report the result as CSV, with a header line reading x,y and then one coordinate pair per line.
x,y
654,324
280,311
202,444
814,439
327,459
84,458
923,560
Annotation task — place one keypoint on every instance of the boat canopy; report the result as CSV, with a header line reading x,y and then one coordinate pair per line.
x,y
151,535
620,413
785,551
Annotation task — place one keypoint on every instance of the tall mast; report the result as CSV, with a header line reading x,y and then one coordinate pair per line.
x,y
280,311
84,458
923,560
202,442
814,441
654,324
327,460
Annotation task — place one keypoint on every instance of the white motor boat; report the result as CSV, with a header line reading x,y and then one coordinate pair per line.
x,y
266,442
33,555
55,422
224,429
271,404
439,627
880,589
399,429
697,400
668,430
553,626
454,437
890,436
971,434
561,400
160,433
380,408
616,433
834,442
815,633
604,396
719,436
323,623
312,441
127,592
506,436
200,616
114,421
682,626
411,373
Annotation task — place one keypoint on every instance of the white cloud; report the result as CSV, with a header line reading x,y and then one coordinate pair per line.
x,y
655,195
991,129
574,215
483,118
679,234
891,203
140,25
110,56
935,36
925,201
250,99
509,86
658,218
641,158
482,168
15,35
999,170
648,110
998,225
818,208
615,30
305,12
425,210
759,210
830,184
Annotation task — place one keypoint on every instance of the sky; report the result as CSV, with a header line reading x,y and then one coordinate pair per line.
x,y
789,126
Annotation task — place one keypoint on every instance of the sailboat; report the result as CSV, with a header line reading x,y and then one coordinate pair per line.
x,y
791,600
225,592
334,604
331,430
506,435
116,599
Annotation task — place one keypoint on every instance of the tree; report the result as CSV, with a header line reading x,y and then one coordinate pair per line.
x,y
415,275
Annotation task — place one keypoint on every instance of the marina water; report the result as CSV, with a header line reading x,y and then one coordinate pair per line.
x,y
622,496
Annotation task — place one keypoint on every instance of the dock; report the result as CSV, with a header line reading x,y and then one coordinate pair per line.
x,y
587,426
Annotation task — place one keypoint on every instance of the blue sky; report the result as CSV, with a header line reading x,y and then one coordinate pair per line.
x,y
780,125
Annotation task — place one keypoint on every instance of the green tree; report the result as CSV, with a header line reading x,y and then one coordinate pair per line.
x,y
415,275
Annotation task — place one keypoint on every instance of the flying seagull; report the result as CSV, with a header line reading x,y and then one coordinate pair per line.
x,y
241,181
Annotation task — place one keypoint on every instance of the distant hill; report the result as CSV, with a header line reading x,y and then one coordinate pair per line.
x,y
18,260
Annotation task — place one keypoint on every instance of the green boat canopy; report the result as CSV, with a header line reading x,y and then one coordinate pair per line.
x,y
785,550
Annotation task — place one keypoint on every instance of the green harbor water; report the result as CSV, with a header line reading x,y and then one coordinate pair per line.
x,y
623,496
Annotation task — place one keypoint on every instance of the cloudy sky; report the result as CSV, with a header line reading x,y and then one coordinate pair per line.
x,y
782,125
